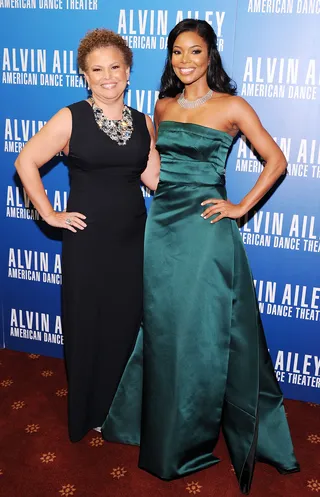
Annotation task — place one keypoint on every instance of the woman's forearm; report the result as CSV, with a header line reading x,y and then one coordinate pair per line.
x,y
270,174
31,180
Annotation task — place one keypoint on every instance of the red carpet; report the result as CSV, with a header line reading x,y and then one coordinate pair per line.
x,y
37,459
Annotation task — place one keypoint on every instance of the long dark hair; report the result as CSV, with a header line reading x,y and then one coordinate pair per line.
x,y
217,79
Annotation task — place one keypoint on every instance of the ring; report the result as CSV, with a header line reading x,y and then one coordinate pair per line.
x,y
68,221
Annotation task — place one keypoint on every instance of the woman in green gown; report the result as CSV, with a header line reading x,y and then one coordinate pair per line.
x,y
205,363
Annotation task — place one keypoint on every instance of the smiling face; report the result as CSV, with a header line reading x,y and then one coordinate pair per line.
x,y
106,73
190,57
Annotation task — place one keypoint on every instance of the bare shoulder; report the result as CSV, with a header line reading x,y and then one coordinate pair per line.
x,y
238,110
160,108
62,116
60,125
162,104
238,104
242,116
52,138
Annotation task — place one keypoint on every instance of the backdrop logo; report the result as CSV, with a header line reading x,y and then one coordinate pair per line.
x,y
32,265
273,77
149,29
271,7
18,131
40,67
50,4
39,326
284,6
303,157
277,230
19,206
143,100
146,192
288,300
297,369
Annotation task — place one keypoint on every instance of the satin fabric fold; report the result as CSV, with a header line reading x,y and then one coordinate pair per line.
x,y
205,362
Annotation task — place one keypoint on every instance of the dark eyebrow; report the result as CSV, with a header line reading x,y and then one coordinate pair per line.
x,y
193,46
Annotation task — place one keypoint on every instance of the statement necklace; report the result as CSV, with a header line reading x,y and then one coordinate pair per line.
x,y
119,130
193,104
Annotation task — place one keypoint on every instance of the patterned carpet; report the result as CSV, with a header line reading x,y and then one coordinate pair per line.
x,y
37,459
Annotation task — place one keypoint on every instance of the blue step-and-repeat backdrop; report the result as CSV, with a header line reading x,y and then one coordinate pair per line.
x,y
271,49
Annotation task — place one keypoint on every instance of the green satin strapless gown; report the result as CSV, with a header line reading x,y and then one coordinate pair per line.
x,y
201,362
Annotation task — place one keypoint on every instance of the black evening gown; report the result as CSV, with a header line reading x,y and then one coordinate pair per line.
x,y
102,265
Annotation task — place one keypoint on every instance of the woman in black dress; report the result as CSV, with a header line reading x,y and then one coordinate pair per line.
x,y
110,148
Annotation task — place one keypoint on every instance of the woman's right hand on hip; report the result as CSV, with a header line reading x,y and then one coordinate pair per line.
x,y
69,220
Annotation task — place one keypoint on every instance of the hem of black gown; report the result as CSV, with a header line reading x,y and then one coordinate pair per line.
x,y
84,434
75,440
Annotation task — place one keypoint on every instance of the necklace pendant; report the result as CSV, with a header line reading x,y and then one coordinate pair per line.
x,y
120,130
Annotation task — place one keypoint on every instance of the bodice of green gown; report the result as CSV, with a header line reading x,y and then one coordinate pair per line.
x,y
191,153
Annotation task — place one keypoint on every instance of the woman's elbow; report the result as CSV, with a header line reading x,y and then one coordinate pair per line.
x,y
155,182
17,163
151,182
277,164
282,165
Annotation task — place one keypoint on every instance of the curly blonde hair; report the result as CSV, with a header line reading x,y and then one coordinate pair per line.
x,y
99,38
